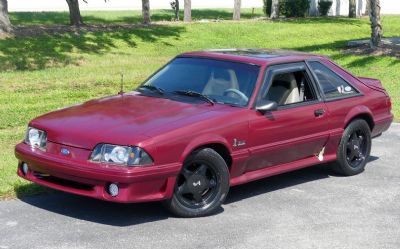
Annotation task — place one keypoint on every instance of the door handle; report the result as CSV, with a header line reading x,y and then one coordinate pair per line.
x,y
319,112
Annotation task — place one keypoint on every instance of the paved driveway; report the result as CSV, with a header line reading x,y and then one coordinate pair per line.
x,y
310,208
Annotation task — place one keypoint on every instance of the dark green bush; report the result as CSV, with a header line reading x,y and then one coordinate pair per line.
x,y
324,7
289,8
294,8
267,7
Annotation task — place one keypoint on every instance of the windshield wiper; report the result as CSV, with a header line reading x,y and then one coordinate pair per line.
x,y
153,88
195,94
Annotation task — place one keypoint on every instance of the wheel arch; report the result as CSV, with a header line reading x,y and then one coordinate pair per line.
x,y
219,144
360,112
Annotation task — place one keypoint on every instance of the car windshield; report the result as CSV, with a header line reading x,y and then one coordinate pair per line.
x,y
224,82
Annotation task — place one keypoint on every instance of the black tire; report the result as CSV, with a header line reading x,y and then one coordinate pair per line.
x,y
197,194
354,149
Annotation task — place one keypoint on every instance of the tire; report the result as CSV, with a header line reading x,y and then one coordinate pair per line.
x,y
354,149
202,185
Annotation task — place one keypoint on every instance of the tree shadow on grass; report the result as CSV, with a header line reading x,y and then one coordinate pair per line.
x,y
339,50
56,48
325,20
131,17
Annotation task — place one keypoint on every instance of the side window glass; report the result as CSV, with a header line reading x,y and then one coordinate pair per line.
x,y
290,88
331,84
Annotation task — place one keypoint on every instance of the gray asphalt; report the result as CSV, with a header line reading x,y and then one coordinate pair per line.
x,y
310,208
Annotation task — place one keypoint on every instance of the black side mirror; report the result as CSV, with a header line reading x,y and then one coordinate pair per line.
x,y
267,106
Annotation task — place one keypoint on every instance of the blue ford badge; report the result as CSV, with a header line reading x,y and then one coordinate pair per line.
x,y
65,152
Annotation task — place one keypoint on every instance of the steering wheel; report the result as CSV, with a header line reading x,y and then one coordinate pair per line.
x,y
243,97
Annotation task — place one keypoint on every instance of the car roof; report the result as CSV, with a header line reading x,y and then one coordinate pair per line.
x,y
253,55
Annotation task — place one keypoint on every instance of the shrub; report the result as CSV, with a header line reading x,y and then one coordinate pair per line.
x,y
289,8
267,7
294,8
324,7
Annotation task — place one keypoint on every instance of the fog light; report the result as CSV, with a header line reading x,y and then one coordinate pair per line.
x,y
25,168
113,189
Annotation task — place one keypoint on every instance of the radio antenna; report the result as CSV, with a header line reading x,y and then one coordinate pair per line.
x,y
121,91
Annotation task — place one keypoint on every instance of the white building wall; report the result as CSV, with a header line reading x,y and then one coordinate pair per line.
x,y
339,7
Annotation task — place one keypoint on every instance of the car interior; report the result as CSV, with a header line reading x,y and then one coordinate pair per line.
x,y
220,80
290,88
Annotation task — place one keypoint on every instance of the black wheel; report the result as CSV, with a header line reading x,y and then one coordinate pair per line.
x,y
202,185
354,148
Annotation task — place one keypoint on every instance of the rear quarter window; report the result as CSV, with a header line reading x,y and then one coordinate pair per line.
x,y
331,84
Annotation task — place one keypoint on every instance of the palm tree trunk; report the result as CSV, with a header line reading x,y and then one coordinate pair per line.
x,y
376,26
146,11
5,24
75,17
275,9
236,9
187,12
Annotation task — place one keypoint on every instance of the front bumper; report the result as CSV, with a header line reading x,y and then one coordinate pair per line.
x,y
136,184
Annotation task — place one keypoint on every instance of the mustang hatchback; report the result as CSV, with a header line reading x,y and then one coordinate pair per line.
x,y
204,122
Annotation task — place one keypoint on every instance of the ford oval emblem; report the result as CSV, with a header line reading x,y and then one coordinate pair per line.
x,y
65,152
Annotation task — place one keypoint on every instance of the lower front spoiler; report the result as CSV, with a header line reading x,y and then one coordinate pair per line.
x,y
61,175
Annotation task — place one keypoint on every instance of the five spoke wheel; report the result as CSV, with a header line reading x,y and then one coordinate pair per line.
x,y
356,148
196,185
202,185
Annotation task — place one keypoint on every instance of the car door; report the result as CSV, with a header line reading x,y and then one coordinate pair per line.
x,y
297,129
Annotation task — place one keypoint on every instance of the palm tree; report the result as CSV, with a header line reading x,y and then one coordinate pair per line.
x,y
275,9
236,9
187,11
5,25
376,26
146,11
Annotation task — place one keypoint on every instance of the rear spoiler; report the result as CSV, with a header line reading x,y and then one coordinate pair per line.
x,y
372,83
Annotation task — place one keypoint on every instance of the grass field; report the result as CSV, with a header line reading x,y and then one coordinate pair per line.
x,y
43,73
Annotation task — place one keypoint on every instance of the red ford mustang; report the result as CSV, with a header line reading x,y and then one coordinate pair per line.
x,y
207,121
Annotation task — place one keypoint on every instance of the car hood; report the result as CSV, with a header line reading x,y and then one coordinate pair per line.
x,y
123,119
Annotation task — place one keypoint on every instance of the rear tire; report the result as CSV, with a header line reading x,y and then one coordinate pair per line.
x,y
202,185
354,149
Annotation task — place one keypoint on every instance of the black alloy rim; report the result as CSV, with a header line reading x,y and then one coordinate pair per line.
x,y
197,186
356,148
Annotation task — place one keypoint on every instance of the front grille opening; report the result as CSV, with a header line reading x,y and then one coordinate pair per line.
x,y
63,182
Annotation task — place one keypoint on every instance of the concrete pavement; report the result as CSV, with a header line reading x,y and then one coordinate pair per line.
x,y
310,208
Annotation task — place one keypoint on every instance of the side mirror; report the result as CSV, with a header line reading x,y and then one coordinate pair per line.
x,y
267,106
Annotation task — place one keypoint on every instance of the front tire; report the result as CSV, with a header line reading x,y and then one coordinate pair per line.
x,y
202,185
354,149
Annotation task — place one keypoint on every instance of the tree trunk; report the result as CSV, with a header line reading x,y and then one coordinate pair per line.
x,y
236,9
275,9
146,11
352,9
176,10
187,17
5,25
376,27
75,18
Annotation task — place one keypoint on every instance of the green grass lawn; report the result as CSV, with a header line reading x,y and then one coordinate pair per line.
x,y
40,74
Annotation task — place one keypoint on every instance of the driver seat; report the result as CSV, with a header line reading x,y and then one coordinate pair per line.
x,y
220,80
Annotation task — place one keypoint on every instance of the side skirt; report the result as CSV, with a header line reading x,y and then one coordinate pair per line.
x,y
279,169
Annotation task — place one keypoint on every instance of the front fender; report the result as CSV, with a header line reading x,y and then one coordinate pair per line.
x,y
203,140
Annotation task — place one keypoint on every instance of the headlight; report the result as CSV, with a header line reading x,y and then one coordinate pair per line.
x,y
122,155
36,138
